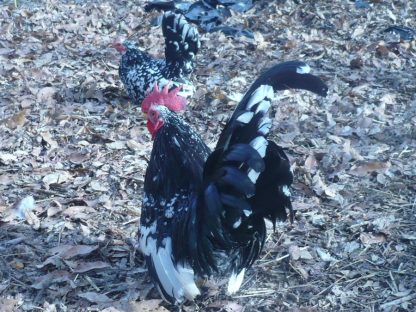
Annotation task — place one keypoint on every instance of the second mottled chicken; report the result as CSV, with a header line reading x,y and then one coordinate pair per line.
x,y
139,71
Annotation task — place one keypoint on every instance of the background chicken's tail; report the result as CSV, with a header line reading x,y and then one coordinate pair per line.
x,y
181,43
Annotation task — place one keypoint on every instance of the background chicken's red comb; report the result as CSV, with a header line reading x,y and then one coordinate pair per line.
x,y
170,99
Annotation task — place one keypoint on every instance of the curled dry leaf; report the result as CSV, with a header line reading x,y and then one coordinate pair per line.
x,y
297,253
7,158
46,94
56,177
23,206
294,252
9,304
351,151
388,99
32,219
147,306
97,186
78,212
363,169
48,307
79,157
321,188
52,260
324,255
95,297
318,219
44,281
82,267
54,209
384,224
17,264
300,269
133,145
227,306
46,136
117,145
369,239
311,163
17,120
23,210
70,251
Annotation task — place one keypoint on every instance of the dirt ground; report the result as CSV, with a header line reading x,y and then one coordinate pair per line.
x,y
73,153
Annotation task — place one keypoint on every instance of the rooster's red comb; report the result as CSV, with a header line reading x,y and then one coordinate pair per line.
x,y
164,97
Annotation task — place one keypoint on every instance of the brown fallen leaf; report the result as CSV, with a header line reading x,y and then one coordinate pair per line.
x,y
321,188
147,306
23,210
324,255
79,157
117,145
9,304
7,179
17,265
95,297
52,260
7,158
362,169
56,177
311,163
46,136
23,206
294,252
227,306
32,219
82,267
59,276
98,186
78,212
55,209
297,266
17,120
351,151
70,251
49,307
369,239
305,254
46,94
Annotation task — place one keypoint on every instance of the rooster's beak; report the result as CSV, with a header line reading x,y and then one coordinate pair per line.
x,y
145,116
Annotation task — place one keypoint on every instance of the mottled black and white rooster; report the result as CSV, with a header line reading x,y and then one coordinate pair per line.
x,y
139,71
203,212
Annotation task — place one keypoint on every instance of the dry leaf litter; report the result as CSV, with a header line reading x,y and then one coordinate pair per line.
x,y
74,150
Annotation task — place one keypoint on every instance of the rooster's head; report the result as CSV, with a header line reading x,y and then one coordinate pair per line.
x,y
119,45
158,98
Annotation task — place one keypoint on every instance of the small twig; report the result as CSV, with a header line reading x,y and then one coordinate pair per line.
x,y
20,283
134,220
279,259
92,283
16,254
397,301
254,293
395,288
354,281
60,234
329,287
